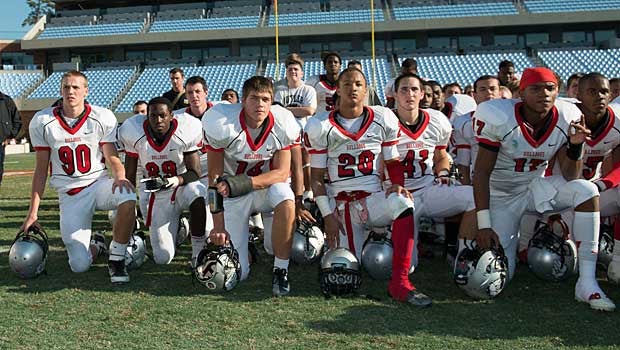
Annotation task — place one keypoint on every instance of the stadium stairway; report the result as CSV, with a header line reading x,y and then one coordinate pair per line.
x,y
132,80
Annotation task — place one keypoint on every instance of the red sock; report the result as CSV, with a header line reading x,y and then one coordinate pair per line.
x,y
402,242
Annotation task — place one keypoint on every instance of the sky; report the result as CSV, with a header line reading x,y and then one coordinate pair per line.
x,y
11,17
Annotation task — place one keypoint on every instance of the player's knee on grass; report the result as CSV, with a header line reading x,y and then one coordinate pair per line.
x,y
80,262
162,257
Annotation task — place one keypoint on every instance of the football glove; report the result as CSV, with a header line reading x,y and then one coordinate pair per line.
x,y
158,183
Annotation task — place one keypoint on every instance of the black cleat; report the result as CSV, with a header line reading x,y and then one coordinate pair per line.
x,y
281,287
118,271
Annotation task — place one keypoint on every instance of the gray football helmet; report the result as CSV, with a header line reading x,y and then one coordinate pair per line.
x,y
339,272
135,255
550,256
218,267
377,255
183,231
308,242
481,274
605,245
28,252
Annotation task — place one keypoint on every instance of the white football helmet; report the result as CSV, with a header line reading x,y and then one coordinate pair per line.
x,y
28,252
308,242
377,255
550,256
218,267
481,274
135,255
339,273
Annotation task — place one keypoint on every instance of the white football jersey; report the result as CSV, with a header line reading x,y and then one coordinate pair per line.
x,y
76,155
615,102
302,96
225,131
521,157
353,157
165,159
202,148
417,148
388,90
598,148
459,104
464,140
324,93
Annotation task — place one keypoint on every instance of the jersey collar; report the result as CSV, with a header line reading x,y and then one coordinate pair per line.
x,y
173,125
528,137
263,135
426,118
71,130
611,117
355,136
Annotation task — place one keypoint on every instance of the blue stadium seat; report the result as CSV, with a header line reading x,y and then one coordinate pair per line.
x,y
105,85
568,61
154,82
547,6
456,10
204,24
91,30
332,17
16,84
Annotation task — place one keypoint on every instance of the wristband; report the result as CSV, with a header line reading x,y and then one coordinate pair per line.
x,y
443,173
484,219
307,165
216,200
574,152
601,185
323,203
308,195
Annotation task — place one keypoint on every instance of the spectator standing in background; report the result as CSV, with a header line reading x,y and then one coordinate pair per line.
x,y
177,94
11,124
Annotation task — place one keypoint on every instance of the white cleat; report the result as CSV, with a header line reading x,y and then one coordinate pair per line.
x,y
613,272
596,299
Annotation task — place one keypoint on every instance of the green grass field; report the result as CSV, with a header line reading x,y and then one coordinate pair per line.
x,y
162,309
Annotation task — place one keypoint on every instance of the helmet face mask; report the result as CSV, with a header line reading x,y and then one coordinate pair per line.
x,y
377,254
308,243
28,253
135,255
551,257
218,267
339,272
481,274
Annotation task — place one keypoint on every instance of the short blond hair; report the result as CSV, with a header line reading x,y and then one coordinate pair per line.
x,y
294,58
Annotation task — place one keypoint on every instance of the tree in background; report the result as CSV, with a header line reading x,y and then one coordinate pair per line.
x,y
38,9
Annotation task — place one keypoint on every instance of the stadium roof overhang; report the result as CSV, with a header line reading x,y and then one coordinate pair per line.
x,y
483,23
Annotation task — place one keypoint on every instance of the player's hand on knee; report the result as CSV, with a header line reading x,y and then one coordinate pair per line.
x,y
332,231
219,238
444,178
398,189
159,183
222,188
487,238
123,185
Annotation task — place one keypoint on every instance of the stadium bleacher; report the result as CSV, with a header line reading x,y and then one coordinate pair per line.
x,y
16,84
154,81
464,69
91,30
568,61
105,85
546,6
331,17
315,67
497,8
204,24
